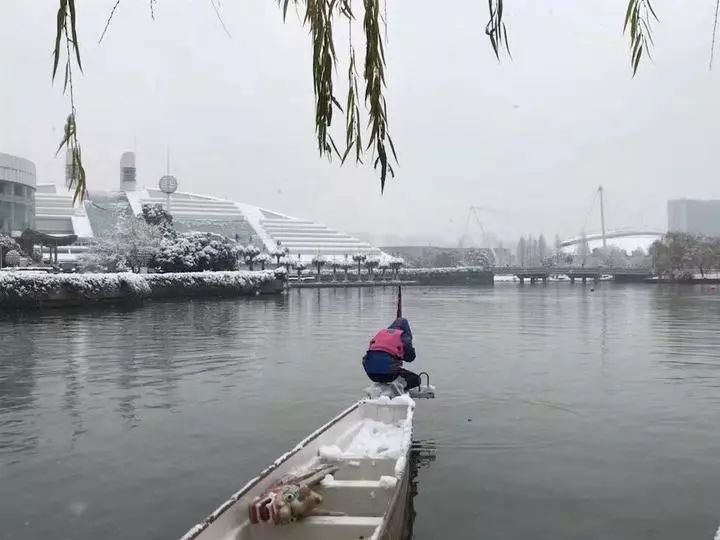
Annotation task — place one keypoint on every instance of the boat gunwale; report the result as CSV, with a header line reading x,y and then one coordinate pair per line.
x,y
198,528
402,477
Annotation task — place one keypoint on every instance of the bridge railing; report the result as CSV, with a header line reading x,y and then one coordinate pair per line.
x,y
568,270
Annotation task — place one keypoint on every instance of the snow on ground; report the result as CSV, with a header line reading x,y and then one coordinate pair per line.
x,y
33,287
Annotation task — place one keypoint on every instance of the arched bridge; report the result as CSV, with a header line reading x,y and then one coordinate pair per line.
x,y
609,235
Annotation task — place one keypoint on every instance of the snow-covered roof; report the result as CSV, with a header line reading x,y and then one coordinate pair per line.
x,y
304,238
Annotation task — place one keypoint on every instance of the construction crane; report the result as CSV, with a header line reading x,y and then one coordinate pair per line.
x,y
473,215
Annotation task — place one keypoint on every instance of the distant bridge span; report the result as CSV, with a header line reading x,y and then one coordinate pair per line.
x,y
611,234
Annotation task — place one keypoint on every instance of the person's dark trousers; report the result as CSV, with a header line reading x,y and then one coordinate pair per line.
x,y
412,379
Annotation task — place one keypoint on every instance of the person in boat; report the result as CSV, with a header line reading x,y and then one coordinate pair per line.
x,y
387,351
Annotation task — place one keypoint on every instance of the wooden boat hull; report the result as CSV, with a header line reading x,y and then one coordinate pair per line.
x,y
369,443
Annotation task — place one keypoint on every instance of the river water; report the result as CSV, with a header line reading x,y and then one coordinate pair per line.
x,y
562,412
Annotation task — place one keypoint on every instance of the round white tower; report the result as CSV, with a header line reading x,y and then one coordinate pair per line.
x,y
128,180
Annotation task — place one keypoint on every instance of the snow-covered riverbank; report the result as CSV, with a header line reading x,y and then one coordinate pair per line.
x,y
37,289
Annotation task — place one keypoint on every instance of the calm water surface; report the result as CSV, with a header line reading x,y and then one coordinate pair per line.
x,y
561,413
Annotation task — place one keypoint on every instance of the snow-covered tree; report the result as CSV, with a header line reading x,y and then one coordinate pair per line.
x,y
346,264
285,262
384,266
335,263
278,252
371,263
155,214
299,266
251,252
396,263
613,257
660,257
263,259
478,257
318,261
359,259
133,245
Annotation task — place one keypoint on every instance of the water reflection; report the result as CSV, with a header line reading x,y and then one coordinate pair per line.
x,y
686,321
17,387
422,455
550,398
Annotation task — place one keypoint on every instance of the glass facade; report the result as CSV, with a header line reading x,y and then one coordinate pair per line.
x,y
17,194
17,207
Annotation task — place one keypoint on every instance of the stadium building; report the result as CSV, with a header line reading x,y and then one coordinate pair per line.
x,y
99,214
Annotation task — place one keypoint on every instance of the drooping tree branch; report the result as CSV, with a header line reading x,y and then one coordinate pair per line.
x,y
495,29
319,17
638,19
67,31
714,32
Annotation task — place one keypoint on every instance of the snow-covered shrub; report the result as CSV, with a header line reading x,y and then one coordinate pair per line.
x,y
208,283
197,252
7,245
26,289
12,258
37,288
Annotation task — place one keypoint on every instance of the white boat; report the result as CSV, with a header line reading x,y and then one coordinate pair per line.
x,y
347,480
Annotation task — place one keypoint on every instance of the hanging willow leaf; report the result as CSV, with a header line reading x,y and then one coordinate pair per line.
x,y
374,75
66,32
495,29
73,29
353,131
638,20
77,170
61,16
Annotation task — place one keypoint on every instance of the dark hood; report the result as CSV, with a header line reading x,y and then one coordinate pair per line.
x,y
402,324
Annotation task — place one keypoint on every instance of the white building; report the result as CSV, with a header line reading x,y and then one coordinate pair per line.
x,y
246,223
17,194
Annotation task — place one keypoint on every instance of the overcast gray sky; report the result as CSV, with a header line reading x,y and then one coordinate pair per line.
x,y
529,139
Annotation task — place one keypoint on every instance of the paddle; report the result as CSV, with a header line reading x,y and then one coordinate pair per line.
x,y
399,304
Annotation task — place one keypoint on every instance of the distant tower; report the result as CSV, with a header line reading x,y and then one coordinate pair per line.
x,y
168,184
128,180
